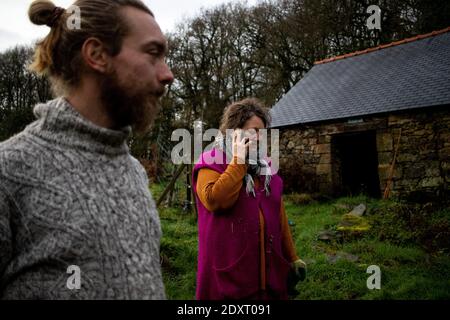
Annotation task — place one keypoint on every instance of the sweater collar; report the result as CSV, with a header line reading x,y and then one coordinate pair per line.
x,y
60,123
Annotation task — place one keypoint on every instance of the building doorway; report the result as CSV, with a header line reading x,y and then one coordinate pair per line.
x,y
355,164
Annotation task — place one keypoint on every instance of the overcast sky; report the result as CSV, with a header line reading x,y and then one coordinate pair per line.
x,y
15,28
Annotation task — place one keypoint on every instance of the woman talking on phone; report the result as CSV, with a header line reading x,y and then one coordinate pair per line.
x,y
246,249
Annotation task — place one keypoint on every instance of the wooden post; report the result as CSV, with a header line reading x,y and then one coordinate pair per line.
x,y
187,203
172,190
194,202
387,191
170,185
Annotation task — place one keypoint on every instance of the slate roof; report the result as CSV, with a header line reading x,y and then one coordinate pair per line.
x,y
408,74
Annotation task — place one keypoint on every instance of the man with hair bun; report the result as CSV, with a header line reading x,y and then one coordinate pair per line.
x,y
77,220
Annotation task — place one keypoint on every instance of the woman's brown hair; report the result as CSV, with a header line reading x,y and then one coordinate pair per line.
x,y
238,113
58,55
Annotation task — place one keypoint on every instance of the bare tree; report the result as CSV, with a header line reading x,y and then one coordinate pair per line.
x,y
20,90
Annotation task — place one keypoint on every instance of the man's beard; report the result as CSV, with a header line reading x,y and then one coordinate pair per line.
x,y
127,106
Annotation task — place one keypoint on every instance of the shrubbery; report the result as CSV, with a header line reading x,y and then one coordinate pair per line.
x,y
400,223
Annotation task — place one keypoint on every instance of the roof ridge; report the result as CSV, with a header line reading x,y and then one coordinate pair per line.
x,y
383,46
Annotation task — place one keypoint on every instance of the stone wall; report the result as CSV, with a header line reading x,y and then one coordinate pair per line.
x,y
307,162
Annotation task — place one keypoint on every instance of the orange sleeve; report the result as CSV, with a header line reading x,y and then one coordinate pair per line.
x,y
287,242
220,191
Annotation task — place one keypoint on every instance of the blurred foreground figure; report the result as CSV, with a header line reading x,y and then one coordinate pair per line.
x,y
77,220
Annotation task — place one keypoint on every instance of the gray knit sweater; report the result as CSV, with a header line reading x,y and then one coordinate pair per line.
x,y
71,194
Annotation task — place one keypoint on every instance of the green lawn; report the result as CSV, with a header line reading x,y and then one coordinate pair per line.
x,y
409,269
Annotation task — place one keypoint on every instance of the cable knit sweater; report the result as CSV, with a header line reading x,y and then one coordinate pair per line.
x,y
71,194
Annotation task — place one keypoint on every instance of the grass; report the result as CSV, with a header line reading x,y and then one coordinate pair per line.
x,y
178,248
179,254
409,271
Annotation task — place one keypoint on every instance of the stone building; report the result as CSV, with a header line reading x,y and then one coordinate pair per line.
x,y
343,124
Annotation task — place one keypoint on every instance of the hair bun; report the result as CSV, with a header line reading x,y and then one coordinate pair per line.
x,y
44,12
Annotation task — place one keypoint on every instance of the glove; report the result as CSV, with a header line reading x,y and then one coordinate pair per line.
x,y
299,267
296,274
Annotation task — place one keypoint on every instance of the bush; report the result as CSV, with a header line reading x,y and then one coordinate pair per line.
x,y
297,178
299,199
150,167
401,223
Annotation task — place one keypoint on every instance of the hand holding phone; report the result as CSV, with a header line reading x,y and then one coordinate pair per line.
x,y
240,145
